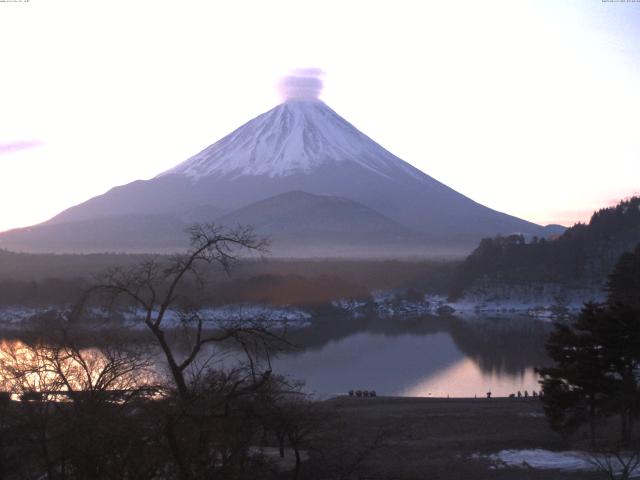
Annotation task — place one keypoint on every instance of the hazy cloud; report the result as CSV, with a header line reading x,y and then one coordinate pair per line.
x,y
16,146
302,84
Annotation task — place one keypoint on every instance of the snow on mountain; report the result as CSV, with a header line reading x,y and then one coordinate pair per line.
x,y
299,146
294,137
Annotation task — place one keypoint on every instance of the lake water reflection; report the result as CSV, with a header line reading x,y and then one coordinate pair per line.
x,y
423,357
417,356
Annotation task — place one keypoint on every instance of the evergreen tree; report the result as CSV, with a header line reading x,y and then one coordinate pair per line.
x,y
597,359
575,389
623,337
624,281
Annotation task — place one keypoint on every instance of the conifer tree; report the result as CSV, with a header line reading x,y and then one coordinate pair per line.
x,y
597,359
624,281
575,388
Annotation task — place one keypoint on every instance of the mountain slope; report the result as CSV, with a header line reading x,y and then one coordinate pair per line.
x,y
294,137
303,212
298,223
303,146
302,224
122,233
298,146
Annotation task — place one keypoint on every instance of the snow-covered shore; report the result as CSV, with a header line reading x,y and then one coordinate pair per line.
x,y
567,461
388,305
384,305
16,318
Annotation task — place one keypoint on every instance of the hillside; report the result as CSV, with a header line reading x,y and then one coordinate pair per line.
x,y
580,258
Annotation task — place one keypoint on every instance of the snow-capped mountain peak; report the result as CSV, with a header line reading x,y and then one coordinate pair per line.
x,y
297,136
300,154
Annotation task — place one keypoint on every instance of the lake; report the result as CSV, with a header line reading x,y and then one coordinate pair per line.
x,y
416,356
425,356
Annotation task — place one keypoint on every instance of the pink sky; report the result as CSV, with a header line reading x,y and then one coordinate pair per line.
x,y
526,107
16,146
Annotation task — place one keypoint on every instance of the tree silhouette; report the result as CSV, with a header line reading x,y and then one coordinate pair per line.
x,y
597,359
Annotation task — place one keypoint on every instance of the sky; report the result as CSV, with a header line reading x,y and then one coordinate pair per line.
x,y
530,108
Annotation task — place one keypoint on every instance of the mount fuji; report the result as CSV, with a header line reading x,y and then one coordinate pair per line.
x,y
300,173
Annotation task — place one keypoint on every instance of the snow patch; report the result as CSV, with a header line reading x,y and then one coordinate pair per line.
x,y
14,317
17,317
537,300
356,308
569,461
220,316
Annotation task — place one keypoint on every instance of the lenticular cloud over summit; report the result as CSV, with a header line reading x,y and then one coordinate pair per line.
x,y
302,84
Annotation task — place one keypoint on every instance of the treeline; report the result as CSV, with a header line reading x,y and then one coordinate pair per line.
x,y
315,283
46,292
42,280
40,266
582,256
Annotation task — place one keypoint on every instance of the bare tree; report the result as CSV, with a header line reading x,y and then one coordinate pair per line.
x,y
205,426
616,463
78,406
289,413
22,374
157,290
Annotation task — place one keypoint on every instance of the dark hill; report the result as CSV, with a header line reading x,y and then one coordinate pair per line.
x,y
582,256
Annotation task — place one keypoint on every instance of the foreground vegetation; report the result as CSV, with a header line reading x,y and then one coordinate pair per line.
x,y
108,413
452,439
596,373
